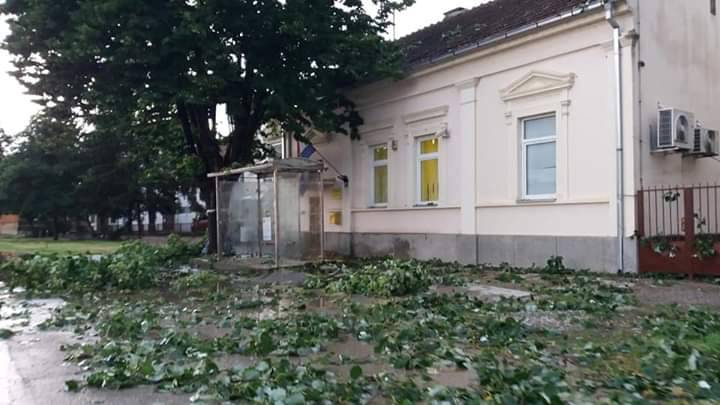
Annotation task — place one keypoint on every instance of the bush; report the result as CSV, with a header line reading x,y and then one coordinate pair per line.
x,y
387,278
198,280
134,266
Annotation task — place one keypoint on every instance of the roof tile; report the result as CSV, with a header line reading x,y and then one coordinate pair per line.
x,y
480,23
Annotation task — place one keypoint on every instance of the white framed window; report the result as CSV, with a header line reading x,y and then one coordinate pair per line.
x,y
428,170
539,161
379,175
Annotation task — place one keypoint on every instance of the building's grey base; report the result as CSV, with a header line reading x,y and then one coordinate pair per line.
x,y
579,252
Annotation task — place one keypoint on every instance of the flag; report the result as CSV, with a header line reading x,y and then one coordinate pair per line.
x,y
308,151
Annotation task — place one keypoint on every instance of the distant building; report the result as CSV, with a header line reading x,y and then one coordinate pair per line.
x,y
9,225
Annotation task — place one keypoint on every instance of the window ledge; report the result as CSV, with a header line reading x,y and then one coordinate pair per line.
x,y
377,207
537,200
411,208
426,205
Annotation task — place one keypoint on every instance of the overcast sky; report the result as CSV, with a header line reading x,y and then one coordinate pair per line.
x,y
16,108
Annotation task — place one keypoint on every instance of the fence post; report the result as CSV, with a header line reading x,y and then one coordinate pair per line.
x,y
689,223
689,230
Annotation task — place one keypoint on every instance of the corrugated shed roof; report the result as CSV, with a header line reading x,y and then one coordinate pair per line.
x,y
479,24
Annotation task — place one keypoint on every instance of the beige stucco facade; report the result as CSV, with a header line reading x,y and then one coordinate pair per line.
x,y
679,49
477,102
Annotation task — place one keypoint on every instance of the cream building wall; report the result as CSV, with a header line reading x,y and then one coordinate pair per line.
x,y
480,99
670,55
678,65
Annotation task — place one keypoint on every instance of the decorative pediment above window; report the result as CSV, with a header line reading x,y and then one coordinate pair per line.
x,y
537,82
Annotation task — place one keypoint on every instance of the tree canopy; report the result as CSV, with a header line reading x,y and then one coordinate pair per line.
x,y
286,61
60,172
283,61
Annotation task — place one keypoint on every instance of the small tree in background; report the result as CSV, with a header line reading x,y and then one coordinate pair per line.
x,y
61,174
39,180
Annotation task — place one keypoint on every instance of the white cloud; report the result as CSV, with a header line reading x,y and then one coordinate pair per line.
x,y
424,13
16,107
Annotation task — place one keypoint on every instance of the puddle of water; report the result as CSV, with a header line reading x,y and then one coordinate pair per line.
x,y
279,310
24,316
353,349
454,378
235,361
211,331
342,371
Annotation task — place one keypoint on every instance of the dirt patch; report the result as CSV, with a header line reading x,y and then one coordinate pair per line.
x,y
683,293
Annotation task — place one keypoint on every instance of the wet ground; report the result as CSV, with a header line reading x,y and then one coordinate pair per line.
x,y
33,369
684,293
32,366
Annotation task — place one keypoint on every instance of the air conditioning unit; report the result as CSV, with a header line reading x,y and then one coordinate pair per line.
x,y
706,142
675,130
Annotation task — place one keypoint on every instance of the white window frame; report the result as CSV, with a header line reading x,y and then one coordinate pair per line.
x,y
419,158
379,163
525,143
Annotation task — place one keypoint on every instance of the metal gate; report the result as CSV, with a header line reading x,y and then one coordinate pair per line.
x,y
678,229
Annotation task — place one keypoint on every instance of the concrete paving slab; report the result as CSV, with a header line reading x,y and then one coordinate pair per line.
x,y
484,292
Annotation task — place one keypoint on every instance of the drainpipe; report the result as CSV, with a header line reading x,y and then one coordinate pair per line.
x,y
620,181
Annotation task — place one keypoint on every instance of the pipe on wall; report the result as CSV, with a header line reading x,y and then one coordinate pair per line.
x,y
619,149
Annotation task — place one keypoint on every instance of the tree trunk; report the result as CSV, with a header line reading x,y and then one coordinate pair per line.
x,y
198,124
169,223
211,203
102,226
140,223
55,225
152,216
128,222
90,228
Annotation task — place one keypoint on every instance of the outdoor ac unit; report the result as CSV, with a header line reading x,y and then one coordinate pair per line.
x,y
675,130
705,142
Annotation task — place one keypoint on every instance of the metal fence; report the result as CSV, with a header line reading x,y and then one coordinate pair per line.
x,y
678,229
184,228
675,211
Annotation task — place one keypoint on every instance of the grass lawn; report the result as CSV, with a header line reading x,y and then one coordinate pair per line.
x,y
398,332
43,246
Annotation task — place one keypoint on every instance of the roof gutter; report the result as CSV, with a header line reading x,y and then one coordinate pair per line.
x,y
591,6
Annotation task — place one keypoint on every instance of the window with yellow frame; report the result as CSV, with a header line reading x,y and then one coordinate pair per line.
x,y
428,170
379,176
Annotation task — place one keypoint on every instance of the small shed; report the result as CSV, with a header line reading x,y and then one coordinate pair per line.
x,y
271,213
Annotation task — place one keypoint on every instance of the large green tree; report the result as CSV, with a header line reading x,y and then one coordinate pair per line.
x,y
266,60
